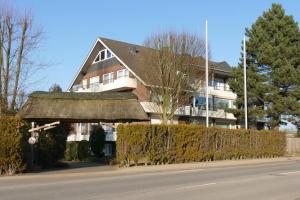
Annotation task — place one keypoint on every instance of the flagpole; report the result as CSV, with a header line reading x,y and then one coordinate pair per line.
x,y
245,86
206,73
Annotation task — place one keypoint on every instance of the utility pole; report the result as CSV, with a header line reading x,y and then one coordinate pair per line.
x,y
245,86
206,73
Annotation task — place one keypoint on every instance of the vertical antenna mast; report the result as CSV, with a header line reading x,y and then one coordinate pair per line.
x,y
245,86
206,73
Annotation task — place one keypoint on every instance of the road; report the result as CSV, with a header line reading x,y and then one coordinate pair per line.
x,y
280,180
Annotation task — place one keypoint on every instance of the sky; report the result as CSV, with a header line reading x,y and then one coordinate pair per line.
x,y
72,26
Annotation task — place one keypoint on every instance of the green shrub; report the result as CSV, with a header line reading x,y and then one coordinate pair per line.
x,y
97,140
14,148
83,150
71,151
159,144
52,145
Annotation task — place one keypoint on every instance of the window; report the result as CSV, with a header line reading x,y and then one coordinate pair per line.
x,y
219,84
221,103
108,78
122,73
83,128
94,81
84,84
108,54
103,55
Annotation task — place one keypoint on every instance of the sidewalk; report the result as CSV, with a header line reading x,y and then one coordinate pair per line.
x,y
115,170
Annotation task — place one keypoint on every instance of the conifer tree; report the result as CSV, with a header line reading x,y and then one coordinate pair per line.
x,y
273,73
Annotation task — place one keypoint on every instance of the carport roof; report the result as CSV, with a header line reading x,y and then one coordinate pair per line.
x,y
83,107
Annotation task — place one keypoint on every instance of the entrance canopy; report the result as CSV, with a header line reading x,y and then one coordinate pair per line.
x,y
83,107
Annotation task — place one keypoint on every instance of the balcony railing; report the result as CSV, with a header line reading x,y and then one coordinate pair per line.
x,y
200,112
121,83
151,107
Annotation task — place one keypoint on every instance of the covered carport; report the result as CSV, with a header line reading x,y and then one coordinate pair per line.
x,y
55,108
83,107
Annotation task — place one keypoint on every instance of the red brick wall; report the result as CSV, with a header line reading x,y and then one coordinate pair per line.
x,y
141,91
100,72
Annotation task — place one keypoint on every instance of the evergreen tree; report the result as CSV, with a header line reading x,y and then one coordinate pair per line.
x,y
273,59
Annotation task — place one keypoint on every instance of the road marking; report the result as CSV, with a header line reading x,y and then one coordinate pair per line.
x,y
287,173
196,186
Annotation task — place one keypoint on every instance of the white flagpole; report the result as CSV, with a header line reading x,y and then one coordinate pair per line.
x,y
245,86
206,73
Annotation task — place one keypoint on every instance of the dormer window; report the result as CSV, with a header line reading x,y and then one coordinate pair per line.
x,y
103,55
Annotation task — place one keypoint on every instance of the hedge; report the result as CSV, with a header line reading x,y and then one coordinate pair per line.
x,y
51,146
14,148
162,144
71,153
78,150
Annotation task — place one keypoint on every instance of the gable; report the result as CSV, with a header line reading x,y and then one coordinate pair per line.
x,y
136,59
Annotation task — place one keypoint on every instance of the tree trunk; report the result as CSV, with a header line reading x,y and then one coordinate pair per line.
x,y
9,27
18,65
1,63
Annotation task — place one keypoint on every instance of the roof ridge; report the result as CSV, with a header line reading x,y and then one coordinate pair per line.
x,y
113,40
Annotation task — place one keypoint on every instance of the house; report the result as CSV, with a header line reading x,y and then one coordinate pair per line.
x,y
119,66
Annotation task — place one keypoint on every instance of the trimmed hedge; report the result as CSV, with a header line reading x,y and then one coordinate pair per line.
x,y
71,151
84,150
78,150
161,144
14,148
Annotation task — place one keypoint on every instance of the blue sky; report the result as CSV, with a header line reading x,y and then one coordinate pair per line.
x,y
71,27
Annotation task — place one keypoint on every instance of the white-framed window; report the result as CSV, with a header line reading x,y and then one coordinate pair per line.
x,y
108,78
122,73
103,55
219,84
84,84
83,128
94,81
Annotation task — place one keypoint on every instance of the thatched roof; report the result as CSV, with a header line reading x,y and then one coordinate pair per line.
x,y
83,107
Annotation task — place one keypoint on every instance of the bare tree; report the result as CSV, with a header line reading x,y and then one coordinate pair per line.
x,y
177,58
55,88
18,39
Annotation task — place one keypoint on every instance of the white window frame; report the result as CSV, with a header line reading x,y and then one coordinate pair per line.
x,y
94,81
105,55
84,84
110,78
125,73
83,128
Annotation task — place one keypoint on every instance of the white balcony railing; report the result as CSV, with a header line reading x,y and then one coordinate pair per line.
x,y
116,84
198,112
151,107
226,94
219,92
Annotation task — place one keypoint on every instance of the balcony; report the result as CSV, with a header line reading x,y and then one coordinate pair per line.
x,y
151,107
199,112
123,83
221,92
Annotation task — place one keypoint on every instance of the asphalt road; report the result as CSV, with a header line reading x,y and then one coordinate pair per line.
x,y
280,180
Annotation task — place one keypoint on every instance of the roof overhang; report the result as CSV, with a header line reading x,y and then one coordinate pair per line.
x,y
83,107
